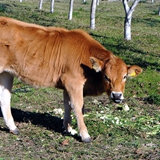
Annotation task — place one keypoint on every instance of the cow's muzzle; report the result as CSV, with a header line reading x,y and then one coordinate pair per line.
x,y
117,97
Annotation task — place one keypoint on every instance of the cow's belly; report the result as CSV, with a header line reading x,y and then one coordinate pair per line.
x,y
38,77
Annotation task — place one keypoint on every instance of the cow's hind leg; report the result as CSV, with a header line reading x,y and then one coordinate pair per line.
x,y
6,81
67,113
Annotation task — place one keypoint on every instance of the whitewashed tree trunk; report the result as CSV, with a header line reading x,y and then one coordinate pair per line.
x,y
70,10
159,11
52,6
84,1
128,17
93,13
40,4
20,0
97,2
152,1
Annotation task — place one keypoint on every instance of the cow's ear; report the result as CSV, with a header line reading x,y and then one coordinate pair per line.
x,y
134,71
97,64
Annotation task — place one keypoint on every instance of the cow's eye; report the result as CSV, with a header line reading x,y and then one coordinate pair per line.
x,y
106,78
125,77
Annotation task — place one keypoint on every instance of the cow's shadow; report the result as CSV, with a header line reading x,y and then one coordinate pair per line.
x,y
46,120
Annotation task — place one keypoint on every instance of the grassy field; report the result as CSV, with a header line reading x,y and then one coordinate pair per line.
x,y
116,133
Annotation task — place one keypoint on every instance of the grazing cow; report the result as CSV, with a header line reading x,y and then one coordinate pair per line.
x,y
56,57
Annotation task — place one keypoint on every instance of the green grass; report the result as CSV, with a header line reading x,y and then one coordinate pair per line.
x,y
116,133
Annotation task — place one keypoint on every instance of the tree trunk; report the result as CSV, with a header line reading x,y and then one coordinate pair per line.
x,y
40,4
159,11
52,6
93,12
70,10
152,1
20,0
128,17
127,28
97,2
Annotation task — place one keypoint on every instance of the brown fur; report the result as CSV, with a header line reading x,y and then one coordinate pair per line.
x,y
56,57
40,55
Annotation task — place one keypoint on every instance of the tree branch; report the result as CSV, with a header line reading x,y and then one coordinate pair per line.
x,y
126,7
133,7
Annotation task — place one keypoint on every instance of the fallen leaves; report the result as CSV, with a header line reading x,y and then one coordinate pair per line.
x,y
65,142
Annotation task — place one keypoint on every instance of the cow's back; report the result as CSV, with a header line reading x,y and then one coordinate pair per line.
x,y
34,52
42,55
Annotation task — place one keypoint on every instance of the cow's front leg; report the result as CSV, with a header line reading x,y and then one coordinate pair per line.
x,y
6,81
76,97
67,114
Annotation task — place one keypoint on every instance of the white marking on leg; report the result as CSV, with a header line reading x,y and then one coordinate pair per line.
x,y
6,110
72,131
6,81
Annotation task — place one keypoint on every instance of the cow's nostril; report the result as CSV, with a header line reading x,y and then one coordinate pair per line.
x,y
116,95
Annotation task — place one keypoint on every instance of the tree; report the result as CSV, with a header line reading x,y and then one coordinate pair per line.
x,y
20,0
128,17
52,6
97,2
93,12
159,11
70,10
40,4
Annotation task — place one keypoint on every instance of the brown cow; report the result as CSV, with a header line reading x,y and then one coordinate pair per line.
x,y
56,57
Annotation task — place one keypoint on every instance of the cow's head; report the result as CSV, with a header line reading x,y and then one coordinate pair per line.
x,y
115,73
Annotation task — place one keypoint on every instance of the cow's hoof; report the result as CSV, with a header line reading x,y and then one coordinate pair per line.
x,y
16,131
86,140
